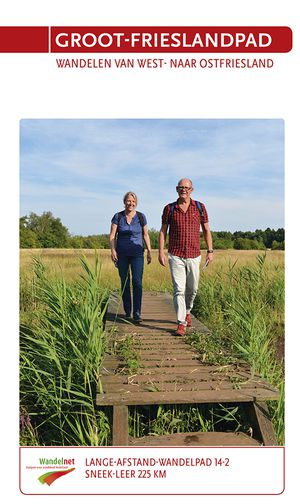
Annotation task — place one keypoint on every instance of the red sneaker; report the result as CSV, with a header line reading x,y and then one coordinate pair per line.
x,y
188,320
180,331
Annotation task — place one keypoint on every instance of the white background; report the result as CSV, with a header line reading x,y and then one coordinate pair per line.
x,y
32,87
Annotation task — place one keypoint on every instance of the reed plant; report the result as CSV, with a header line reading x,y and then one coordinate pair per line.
x,y
61,351
244,307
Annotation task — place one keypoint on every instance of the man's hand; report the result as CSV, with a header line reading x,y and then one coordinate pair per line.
x,y
209,257
161,243
149,256
162,259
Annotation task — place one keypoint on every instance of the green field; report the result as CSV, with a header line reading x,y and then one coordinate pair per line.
x,y
155,276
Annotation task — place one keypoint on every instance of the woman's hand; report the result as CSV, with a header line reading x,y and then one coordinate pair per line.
x,y
149,256
114,256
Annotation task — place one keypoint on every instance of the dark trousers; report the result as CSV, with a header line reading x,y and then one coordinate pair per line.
x,y
135,266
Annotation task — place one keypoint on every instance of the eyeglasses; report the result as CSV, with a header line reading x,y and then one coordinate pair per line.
x,y
182,187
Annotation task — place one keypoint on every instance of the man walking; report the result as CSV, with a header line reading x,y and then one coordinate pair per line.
x,y
184,218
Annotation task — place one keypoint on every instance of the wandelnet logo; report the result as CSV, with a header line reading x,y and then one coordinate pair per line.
x,y
51,476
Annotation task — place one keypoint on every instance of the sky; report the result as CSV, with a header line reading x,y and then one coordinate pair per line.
x,y
79,169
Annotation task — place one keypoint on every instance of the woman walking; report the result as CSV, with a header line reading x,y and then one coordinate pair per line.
x,y
128,234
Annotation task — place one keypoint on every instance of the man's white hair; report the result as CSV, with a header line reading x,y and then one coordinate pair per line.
x,y
185,179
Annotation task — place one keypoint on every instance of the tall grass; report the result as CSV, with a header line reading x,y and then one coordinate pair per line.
x,y
178,418
61,351
241,298
245,308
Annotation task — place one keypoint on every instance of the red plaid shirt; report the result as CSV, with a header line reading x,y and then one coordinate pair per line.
x,y
184,231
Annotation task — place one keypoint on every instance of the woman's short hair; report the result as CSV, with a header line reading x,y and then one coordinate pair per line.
x,y
130,193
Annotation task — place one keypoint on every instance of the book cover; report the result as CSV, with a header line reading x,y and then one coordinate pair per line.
x,y
109,114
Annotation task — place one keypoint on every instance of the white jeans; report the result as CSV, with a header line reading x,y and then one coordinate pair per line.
x,y
185,277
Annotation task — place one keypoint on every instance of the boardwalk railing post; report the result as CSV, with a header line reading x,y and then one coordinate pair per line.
x,y
120,425
262,423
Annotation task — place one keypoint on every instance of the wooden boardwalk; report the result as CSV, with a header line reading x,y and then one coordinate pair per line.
x,y
169,372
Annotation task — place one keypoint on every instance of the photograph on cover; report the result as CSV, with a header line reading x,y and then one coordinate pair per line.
x,y
152,282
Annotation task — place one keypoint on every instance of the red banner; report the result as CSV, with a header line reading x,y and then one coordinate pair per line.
x,y
24,39
146,39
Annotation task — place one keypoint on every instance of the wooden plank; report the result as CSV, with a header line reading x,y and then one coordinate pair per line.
x,y
152,366
156,353
198,377
120,425
143,344
154,359
169,362
185,397
190,371
146,322
183,367
199,373
194,368
196,439
166,336
147,334
198,368
169,342
159,346
113,388
158,332
262,423
155,313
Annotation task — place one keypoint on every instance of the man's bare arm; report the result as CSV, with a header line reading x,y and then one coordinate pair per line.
x,y
161,241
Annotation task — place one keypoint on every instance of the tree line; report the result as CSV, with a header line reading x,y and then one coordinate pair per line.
x,y
47,231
